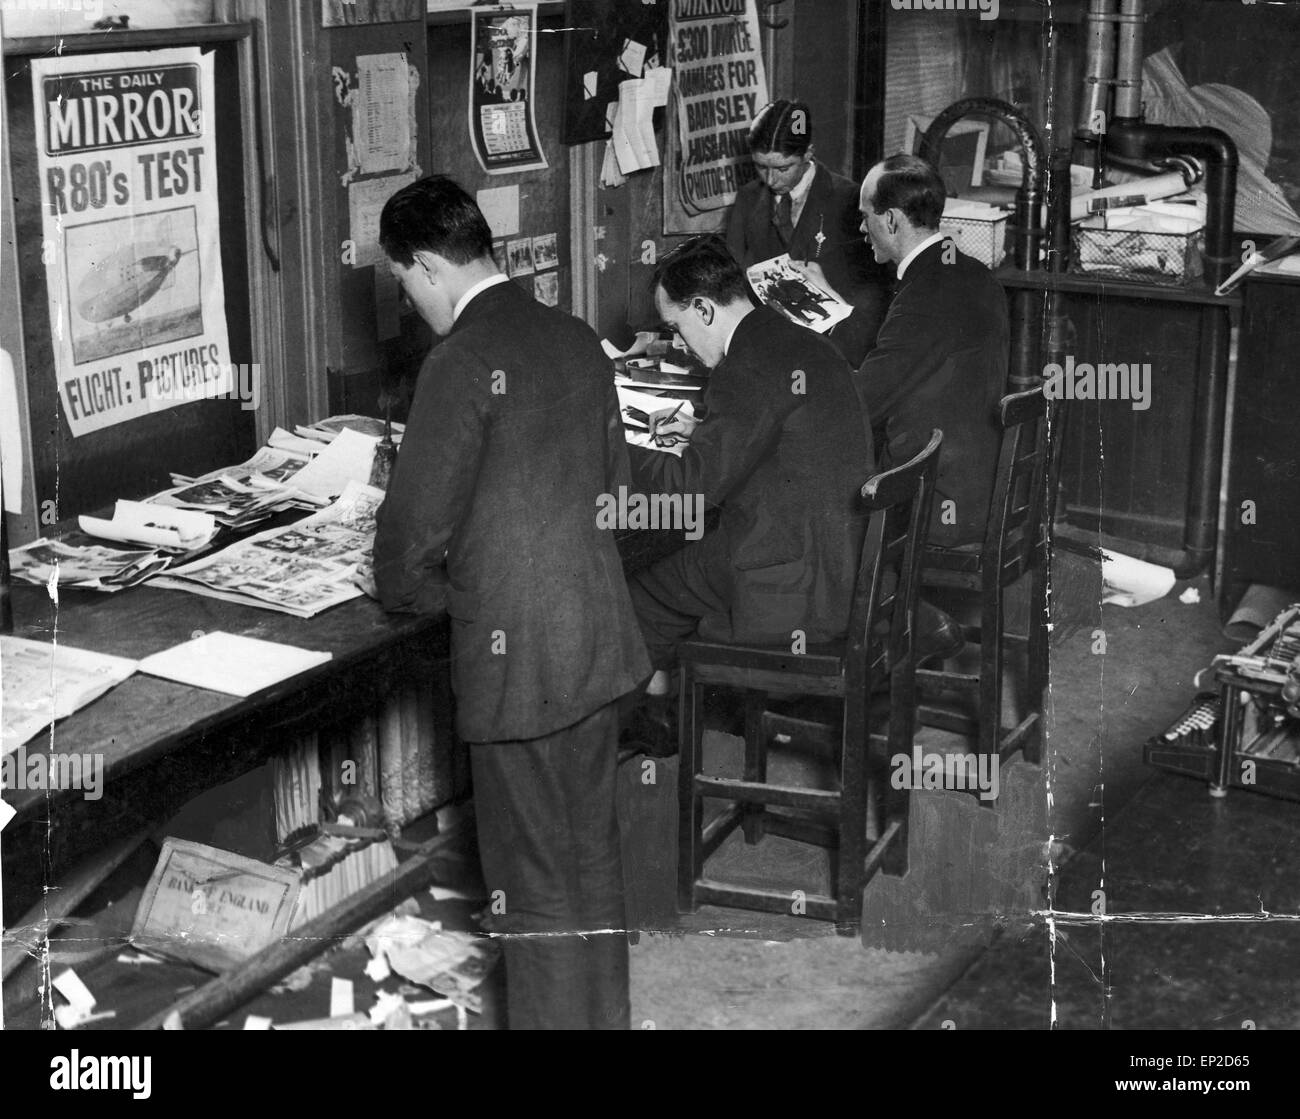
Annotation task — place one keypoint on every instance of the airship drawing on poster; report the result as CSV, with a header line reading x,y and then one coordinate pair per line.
x,y
133,282
126,280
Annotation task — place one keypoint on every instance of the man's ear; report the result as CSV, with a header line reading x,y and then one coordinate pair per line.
x,y
431,263
704,308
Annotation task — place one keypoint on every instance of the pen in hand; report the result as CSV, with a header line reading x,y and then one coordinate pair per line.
x,y
657,426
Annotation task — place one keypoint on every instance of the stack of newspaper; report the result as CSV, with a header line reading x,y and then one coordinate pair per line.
x,y
300,569
76,561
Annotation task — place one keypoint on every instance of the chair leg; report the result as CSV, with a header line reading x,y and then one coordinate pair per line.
x,y
690,807
1036,673
755,762
851,852
992,640
897,803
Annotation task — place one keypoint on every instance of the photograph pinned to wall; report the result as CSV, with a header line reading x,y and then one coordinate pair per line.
x,y
546,252
134,282
502,87
500,256
707,154
546,288
519,253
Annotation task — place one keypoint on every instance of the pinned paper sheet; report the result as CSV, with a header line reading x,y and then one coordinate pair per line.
x,y
590,81
500,209
632,59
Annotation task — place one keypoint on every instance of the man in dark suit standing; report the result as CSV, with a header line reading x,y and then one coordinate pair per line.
x,y
799,206
512,439
941,357
783,449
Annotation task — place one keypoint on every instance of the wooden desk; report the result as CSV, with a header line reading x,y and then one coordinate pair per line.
x,y
162,743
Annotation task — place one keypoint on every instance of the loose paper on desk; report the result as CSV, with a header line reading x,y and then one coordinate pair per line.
x,y
158,526
346,459
41,682
231,663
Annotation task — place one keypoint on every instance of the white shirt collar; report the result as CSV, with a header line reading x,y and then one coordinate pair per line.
x,y
902,264
482,285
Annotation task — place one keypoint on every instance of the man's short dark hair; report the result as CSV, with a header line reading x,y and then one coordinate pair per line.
x,y
701,266
784,127
434,215
911,184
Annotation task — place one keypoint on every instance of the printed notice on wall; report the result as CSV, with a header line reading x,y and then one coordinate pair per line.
x,y
502,86
128,178
379,125
365,206
719,86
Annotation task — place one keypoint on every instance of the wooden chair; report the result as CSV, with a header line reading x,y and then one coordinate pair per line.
x,y
878,649
1015,543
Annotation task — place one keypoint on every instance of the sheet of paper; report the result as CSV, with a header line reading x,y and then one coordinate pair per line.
x,y
632,59
230,663
159,526
643,439
365,203
41,682
299,444
500,208
346,459
341,1002
660,81
381,127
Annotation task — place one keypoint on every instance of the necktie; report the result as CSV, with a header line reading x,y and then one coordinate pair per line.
x,y
783,218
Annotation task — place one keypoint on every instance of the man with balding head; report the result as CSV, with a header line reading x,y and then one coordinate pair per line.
x,y
941,357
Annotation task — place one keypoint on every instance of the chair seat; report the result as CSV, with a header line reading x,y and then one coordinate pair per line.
x,y
824,659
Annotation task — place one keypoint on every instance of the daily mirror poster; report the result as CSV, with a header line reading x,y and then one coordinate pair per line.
x,y
128,172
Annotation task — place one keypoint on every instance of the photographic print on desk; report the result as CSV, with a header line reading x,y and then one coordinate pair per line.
x,y
546,251
520,255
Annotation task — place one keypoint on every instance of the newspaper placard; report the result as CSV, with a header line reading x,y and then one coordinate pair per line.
x,y
795,296
502,86
301,569
126,153
719,87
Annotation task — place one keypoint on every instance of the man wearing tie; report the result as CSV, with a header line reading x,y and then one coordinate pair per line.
x,y
798,206
513,437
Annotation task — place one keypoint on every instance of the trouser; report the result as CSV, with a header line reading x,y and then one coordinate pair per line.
x,y
549,844
671,596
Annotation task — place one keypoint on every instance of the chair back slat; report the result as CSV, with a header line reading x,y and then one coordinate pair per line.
x,y
899,502
1015,512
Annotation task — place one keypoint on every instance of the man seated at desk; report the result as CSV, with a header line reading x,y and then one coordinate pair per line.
x,y
513,437
941,357
783,448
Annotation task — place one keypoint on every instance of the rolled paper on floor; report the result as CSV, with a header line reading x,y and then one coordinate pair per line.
x,y
1133,582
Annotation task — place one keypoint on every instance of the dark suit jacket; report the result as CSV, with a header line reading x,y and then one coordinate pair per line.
x,y
786,467
830,209
513,435
941,361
